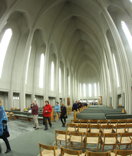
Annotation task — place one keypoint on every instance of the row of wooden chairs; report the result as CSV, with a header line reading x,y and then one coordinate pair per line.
x,y
46,150
96,128
82,140
103,121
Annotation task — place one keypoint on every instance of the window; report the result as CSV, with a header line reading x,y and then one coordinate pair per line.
x,y
80,88
127,33
95,89
60,81
109,80
27,66
117,76
98,89
131,1
4,46
90,90
52,74
84,90
69,85
41,71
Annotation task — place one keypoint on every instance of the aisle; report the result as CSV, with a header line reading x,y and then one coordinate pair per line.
x,y
24,139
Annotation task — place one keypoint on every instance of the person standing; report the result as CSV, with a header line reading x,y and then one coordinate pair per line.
x,y
56,110
4,133
75,106
47,109
34,109
63,115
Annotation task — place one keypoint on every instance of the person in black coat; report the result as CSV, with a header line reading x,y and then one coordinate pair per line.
x,y
4,133
75,106
63,115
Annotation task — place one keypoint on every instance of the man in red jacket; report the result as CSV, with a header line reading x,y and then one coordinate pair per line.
x,y
34,108
47,109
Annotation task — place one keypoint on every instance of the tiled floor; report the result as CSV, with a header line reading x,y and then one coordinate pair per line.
x,y
24,139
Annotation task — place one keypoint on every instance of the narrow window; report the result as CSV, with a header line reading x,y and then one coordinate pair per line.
x,y
84,90
52,75
27,66
41,71
60,81
116,70
127,33
90,90
4,46
80,89
69,85
95,89
98,89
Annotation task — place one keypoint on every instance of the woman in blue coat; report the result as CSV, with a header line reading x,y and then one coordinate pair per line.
x,y
3,127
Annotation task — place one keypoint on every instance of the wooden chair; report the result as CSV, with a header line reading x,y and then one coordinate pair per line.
x,y
90,153
112,122
72,127
128,121
124,139
93,121
118,152
69,152
122,121
102,122
61,136
107,128
78,138
46,150
83,128
120,128
108,139
92,138
94,128
129,127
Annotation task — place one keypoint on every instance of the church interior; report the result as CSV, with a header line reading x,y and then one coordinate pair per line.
x,y
75,57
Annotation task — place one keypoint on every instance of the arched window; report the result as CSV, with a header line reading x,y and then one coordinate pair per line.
x,y
60,81
84,90
41,71
69,86
4,43
95,89
116,71
98,89
26,74
127,33
90,90
52,74
80,89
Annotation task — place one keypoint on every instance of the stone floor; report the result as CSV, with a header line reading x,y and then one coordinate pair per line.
x,y
24,139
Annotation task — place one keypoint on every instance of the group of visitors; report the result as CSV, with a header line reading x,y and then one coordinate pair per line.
x,y
59,111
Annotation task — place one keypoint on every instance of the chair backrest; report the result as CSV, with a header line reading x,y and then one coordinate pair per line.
x,y
60,132
70,152
122,121
125,134
47,147
89,153
72,124
92,134
106,126
123,152
76,133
